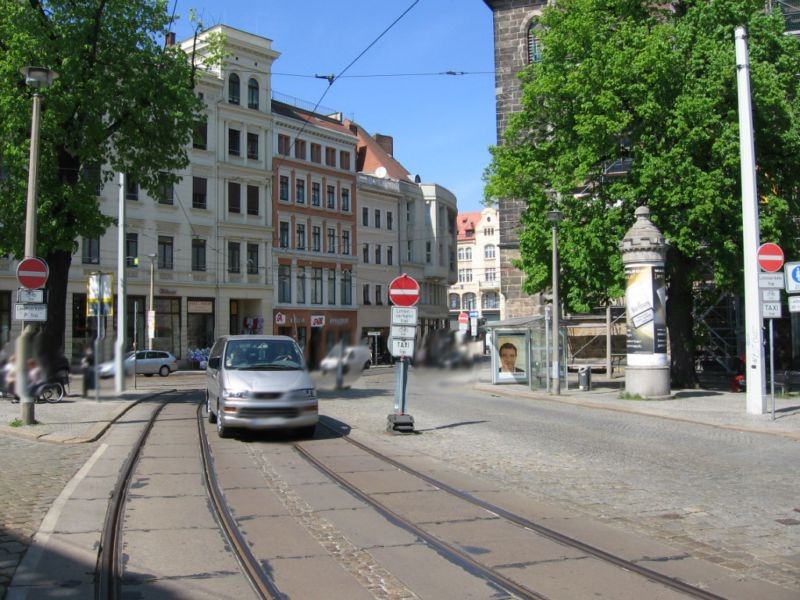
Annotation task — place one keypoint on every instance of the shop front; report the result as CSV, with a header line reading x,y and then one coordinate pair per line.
x,y
316,331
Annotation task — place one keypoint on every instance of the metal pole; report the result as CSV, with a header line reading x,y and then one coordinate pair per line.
x,y
97,357
754,369
772,365
608,341
547,351
556,370
151,308
135,338
122,312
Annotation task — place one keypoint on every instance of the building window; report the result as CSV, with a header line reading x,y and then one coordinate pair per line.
x,y
344,160
377,254
469,301
491,274
330,157
345,200
365,257
347,288
346,242
455,302
252,200
331,286
283,234
316,193
234,197
233,88
365,216
300,191
365,299
331,240
300,237
131,188
490,301
301,285
489,251
488,231
165,252
316,285
252,259
389,255
316,153
534,43
234,142
331,197
377,218
198,255
465,275
378,294
200,135
199,192
410,211
165,194
300,149
252,94
316,238
132,249
389,220
283,188
464,253
410,251
428,253
252,146
284,144
284,283
234,257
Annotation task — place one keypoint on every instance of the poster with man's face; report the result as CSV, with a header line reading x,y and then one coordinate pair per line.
x,y
512,358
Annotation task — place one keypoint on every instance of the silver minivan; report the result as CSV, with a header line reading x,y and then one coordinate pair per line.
x,y
259,382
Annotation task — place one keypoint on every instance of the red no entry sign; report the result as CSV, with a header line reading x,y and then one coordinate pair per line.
x,y
463,318
404,291
32,273
770,257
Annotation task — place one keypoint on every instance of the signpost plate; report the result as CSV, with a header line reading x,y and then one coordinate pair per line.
x,y
792,270
25,295
30,312
770,280
402,348
771,310
770,295
794,304
402,315
405,332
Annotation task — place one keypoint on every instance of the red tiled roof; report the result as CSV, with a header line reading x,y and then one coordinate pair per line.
x,y
371,155
465,222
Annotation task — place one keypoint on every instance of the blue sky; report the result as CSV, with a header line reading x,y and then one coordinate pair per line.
x,y
442,124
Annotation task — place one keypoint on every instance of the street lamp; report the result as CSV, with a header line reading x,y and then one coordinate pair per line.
x,y
151,313
35,78
554,216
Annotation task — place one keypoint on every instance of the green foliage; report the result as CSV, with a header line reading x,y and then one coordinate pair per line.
x,y
122,102
625,82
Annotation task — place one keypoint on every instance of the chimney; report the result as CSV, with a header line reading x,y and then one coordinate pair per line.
x,y
386,142
169,39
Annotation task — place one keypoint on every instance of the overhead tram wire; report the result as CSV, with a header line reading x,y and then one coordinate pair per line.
x,y
331,78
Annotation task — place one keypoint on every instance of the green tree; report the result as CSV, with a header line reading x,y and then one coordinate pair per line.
x,y
124,102
631,104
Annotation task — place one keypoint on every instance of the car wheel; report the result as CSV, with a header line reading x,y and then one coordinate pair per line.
x,y
366,365
222,431
163,371
212,418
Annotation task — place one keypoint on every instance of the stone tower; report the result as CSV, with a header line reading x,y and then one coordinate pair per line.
x,y
512,21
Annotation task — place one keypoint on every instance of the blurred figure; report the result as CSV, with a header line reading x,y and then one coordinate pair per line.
x,y
9,375
87,365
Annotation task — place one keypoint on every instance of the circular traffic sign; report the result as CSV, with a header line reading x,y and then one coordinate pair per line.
x,y
463,317
770,257
32,273
404,291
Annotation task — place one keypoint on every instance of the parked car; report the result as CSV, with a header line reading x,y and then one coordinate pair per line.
x,y
148,363
260,382
355,358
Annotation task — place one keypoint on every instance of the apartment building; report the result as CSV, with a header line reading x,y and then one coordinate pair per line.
x,y
477,291
314,209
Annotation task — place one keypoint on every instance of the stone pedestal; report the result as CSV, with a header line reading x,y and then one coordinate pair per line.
x,y
648,382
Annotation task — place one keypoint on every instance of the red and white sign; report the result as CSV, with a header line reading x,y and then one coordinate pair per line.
x,y
463,318
404,291
770,257
280,318
32,273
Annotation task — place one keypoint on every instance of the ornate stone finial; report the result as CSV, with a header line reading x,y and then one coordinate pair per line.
x,y
643,242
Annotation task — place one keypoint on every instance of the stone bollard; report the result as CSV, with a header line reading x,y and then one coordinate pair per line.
x,y
644,254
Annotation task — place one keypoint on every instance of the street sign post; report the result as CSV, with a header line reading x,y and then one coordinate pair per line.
x,y
404,291
30,312
32,273
770,257
770,280
463,321
25,295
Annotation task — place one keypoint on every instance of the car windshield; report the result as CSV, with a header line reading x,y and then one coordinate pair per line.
x,y
263,355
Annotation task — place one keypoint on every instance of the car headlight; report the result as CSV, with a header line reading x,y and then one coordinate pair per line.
x,y
235,394
304,394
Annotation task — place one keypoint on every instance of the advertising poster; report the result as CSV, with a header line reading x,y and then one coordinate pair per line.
x,y
645,297
512,358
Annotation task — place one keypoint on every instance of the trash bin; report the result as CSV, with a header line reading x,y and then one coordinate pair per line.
x,y
585,378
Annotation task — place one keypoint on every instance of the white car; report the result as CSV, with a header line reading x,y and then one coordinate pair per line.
x,y
148,363
356,359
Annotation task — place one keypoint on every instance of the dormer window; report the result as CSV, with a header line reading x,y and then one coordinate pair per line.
x,y
233,89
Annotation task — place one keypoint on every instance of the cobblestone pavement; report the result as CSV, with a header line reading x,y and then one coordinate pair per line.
x,y
32,476
719,494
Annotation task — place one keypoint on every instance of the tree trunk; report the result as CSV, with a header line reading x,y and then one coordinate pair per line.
x,y
680,321
49,342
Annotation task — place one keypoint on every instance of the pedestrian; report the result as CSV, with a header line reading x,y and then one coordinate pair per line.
x,y
10,375
87,364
